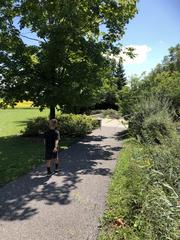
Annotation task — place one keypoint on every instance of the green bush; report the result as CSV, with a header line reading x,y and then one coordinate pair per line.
x,y
35,127
126,101
157,127
111,113
97,111
151,121
78,125
68,124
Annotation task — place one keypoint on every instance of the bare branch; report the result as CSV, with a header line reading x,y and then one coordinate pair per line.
x,y
34,39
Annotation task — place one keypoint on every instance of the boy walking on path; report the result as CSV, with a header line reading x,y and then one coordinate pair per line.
x,y
52,138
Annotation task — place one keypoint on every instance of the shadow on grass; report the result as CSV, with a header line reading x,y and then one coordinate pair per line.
x,y
80,159
23,123
18,155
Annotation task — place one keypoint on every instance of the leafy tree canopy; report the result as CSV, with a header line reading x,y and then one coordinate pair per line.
x,y
68,66
163,81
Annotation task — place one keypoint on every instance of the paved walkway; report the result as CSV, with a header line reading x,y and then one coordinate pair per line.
x,y
67,206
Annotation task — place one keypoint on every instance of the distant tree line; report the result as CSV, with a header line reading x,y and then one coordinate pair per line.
x,y
163,81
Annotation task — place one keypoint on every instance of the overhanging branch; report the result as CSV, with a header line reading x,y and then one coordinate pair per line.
x,y
34,39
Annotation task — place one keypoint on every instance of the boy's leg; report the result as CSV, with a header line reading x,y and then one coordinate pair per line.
x,y
56,160
48,165
48,158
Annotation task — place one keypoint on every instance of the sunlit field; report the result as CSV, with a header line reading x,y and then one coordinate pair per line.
x,y
12,121
24,104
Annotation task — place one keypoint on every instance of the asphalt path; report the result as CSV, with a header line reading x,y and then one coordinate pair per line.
x,y
67,206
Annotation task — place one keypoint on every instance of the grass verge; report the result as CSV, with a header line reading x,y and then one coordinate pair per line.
x,y
141,202
126,182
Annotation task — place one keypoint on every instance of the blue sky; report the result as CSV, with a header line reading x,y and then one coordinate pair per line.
x,y
153,31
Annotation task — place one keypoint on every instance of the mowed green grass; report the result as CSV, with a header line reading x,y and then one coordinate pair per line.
x,y
18,155
12,121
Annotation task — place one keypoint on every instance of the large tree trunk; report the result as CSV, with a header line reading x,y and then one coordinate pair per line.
x,y
52,113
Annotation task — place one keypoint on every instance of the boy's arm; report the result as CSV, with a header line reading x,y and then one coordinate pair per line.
x,y
56,145
56,141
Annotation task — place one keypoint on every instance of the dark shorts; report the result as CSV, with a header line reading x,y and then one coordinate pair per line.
x,y
51,155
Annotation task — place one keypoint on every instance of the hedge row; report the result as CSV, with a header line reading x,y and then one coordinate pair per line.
x,y
68,124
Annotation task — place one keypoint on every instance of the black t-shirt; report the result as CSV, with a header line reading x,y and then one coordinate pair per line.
x,y
50,138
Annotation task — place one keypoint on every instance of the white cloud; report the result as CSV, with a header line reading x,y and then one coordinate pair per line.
x,y
141,53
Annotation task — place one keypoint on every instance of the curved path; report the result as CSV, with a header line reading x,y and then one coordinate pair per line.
x,y
66,206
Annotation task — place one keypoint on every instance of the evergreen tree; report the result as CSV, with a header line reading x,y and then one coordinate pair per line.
x,y
120,76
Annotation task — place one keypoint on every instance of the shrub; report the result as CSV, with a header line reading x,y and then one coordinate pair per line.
x,y
79,125
35,127
97,111
111,113
68,124
126,102
151,121
157,127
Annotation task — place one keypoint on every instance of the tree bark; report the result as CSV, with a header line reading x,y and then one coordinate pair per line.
x,y
52,113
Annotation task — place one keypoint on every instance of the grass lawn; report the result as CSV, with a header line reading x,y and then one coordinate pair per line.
x,y
12,121
18,155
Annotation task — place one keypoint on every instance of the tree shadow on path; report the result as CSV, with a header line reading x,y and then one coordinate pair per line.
x,y
122,135
18,199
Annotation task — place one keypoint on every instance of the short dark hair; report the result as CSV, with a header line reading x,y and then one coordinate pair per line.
x,y
53,122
